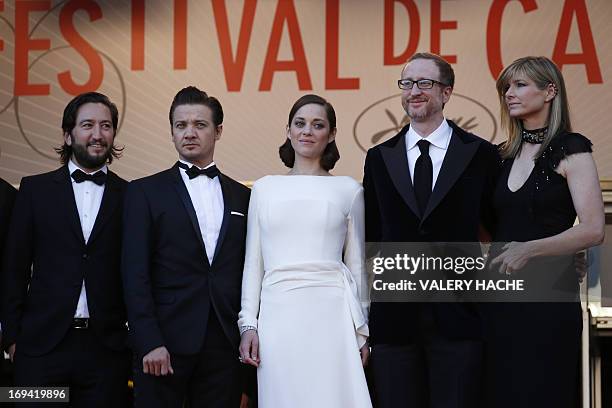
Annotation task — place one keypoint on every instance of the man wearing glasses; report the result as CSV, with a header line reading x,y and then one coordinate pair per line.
x,y
432,182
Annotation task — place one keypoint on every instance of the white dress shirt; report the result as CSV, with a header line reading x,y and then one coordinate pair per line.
x,y
88,197
439,140
207,199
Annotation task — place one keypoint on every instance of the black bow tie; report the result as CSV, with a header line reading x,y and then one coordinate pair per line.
x,y
194,172
99,177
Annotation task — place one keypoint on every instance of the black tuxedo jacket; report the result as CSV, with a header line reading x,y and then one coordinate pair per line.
x,y
170,288
7,198
46,250
459,205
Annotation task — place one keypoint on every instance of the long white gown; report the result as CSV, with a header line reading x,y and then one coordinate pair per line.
x,y
304,288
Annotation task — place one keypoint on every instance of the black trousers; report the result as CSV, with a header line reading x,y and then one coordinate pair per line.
x,y
96,376
211,378
432,372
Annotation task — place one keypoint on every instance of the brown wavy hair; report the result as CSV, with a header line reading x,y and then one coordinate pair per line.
x,y
69,122
331,154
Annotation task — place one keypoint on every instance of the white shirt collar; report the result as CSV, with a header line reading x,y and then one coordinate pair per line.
x,y
439,137
72,167
212,163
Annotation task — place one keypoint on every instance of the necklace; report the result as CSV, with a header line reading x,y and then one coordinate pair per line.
x,y
535,136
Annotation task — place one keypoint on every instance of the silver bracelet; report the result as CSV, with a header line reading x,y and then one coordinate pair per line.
x,y
246,328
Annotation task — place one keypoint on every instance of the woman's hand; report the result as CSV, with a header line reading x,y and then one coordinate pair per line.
x,y
249,348
513,258
365,354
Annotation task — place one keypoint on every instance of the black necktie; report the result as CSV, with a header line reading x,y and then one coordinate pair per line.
x,y
194,172
99,177
423,175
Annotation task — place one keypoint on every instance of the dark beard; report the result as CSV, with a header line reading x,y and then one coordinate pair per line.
x,y
88,161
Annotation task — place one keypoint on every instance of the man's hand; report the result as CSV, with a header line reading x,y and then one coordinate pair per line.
x,y
244,401
157,362
249,348
11,352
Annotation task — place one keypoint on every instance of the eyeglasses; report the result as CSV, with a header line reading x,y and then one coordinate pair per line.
x,y
421,83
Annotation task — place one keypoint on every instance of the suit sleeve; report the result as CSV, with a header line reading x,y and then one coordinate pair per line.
x,y
372,212
7,199
253,266
17,263
137,249
493,170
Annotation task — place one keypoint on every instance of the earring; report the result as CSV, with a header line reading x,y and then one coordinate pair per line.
x,y
555,91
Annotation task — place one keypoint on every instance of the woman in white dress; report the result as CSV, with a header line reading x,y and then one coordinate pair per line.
x,y
303,321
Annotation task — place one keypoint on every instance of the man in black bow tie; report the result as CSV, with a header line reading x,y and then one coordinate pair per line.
x,y
64,317
183,254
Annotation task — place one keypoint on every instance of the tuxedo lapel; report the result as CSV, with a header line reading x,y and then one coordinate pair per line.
x,y
456,159
181,190
396,161
227,205
110,200
68,203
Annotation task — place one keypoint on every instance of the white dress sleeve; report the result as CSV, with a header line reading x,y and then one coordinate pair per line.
x,y
253,266
354,250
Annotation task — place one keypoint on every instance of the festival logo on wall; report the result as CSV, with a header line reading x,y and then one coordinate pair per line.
x,y
385,118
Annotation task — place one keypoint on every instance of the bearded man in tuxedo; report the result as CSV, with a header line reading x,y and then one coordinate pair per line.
x,y
64,319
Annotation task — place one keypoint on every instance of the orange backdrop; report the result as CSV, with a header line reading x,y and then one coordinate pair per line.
x,y
259,56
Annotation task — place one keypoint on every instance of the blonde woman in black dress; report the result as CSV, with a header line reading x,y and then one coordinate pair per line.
x,y
548,177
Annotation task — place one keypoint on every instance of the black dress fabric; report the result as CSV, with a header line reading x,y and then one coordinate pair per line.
x,y
532,350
